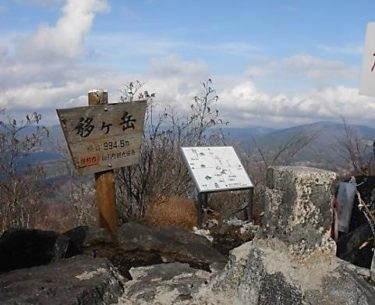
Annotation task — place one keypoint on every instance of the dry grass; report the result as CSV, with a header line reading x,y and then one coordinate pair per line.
x,y
171,211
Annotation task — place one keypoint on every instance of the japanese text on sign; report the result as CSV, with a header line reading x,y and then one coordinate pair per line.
x,y
103,137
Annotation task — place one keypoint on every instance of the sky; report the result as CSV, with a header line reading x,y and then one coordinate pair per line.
x,y
273,63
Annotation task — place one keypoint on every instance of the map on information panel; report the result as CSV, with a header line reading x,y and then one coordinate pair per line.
x,y
216,168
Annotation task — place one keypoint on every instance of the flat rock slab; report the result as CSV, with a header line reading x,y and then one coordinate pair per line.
x,y
172,283
81,280
171,244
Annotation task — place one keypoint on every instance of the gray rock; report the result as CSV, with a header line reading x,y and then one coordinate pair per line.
x,y
297,208
263,272
22,248
164,284
84,239
81,280
171,244
293,262
349,246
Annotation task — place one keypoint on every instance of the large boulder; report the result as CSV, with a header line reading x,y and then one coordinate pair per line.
x,y
22,248
291,262
163,284
85,239
81,280
262,272
170,244
297,208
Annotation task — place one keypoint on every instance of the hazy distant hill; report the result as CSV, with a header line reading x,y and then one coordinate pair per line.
x,y
247,133
327,133
325,148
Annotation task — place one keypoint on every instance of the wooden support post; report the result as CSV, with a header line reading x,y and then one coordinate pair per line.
x,y
105,181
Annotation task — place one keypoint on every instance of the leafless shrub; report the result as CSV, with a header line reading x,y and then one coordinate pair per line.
x,y
76,203
20,185
358,154
161,171
281,153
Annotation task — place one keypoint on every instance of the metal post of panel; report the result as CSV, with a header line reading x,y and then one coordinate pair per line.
x,y
249,208
202,206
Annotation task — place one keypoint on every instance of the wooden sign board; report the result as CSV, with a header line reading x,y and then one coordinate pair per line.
x,y
103,137
216,168
367,85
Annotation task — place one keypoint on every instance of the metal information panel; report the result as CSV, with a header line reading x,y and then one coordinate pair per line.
x,y
103,137
367,86
216,168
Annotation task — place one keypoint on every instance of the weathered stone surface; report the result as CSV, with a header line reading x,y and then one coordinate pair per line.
x,y
81,280
171,244
163,284
352,247
82,239
262,272
297,208
232,233
356,245
22,248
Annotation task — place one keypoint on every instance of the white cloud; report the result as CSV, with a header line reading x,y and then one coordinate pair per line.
x,y
65,40
305,65
350,49
250,106
40,2
136,44
236,48
173,65
46,96
174,80
47,74
42,71
3,51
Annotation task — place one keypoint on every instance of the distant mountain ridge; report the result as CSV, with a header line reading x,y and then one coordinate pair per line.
x,y
322,150
325,142
327,126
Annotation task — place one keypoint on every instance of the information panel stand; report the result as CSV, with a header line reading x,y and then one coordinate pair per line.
x,y
217,169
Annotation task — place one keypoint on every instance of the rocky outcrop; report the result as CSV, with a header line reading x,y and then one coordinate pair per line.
x,y
170,244
84,240
292,261
263,272
22,248
297,208
81,280
260,272
163,284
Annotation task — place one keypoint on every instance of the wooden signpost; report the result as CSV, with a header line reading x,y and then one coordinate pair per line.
x,y
102,137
